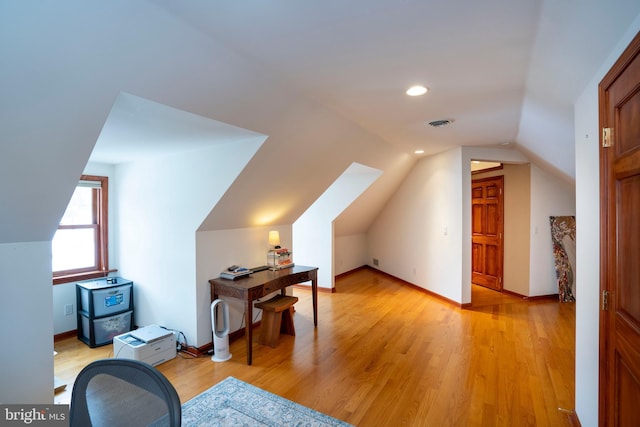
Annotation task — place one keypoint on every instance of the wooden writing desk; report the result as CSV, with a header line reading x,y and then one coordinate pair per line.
x,y
262,283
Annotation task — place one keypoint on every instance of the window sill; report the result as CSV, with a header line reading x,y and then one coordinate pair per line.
x,y
58,280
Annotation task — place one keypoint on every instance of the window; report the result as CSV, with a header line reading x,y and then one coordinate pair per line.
x,y
79,247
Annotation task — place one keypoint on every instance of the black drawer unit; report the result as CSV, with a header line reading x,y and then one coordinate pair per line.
x,y
104,309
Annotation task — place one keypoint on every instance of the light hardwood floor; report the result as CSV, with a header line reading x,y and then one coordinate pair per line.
x,y
387,354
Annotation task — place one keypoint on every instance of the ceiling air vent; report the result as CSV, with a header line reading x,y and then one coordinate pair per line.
x,y
440,123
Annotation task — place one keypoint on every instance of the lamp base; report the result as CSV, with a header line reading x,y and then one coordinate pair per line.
x,y
281,267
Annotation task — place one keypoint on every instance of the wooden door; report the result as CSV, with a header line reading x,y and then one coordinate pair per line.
x,y
486,232
620,242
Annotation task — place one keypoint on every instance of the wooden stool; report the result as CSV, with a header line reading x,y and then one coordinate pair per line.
x,y
276,318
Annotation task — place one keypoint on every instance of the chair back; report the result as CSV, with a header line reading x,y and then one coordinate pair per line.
x,y
123,392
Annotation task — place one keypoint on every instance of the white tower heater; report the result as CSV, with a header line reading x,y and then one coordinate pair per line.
x,y
220,331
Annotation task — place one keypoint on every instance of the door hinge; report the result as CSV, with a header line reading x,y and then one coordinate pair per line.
x,y
607,137
605,300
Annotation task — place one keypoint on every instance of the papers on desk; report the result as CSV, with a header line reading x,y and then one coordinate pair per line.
x,y
235,273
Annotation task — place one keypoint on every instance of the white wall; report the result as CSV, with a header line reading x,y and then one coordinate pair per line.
x,y
423,235
64,294
313,244
588,239
161,203
552,197
587,256
313,231
417,236
350,252
25,316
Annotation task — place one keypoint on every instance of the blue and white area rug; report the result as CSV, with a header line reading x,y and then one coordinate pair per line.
x,y
232,402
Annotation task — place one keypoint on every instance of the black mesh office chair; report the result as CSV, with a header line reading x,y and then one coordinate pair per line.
x,y
123,392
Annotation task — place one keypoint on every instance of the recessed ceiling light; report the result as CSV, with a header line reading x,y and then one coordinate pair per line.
x,y
419,152
416,90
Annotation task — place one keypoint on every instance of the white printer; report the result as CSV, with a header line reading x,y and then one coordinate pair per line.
x,y
151,344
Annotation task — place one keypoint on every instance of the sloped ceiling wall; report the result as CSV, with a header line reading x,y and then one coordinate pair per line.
x,y
65,67
573,39
66,62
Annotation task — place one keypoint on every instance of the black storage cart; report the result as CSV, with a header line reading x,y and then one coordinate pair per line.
x,y
104,309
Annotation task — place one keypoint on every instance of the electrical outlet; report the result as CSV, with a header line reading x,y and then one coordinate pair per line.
x,y
376,262
68,309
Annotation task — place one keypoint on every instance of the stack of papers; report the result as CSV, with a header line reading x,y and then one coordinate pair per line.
x,y
235,273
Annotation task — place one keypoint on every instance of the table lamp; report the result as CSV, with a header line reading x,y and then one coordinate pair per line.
x,y
274,239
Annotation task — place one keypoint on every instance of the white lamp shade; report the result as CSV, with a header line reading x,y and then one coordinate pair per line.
x,y
274,238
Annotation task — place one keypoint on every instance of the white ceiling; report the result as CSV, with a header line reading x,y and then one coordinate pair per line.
x,y
117,80
505,71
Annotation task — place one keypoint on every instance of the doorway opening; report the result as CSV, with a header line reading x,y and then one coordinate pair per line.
x,y
512,267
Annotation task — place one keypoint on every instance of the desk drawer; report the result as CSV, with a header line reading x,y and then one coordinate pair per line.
x,y
294,279
271,287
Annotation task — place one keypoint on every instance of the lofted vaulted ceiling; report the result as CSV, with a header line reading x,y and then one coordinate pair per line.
x,y
505,72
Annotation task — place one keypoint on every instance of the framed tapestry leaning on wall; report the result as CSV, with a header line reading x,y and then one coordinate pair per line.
x,y
563,237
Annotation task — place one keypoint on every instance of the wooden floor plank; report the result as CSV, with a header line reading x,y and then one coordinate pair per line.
x,y
387,354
